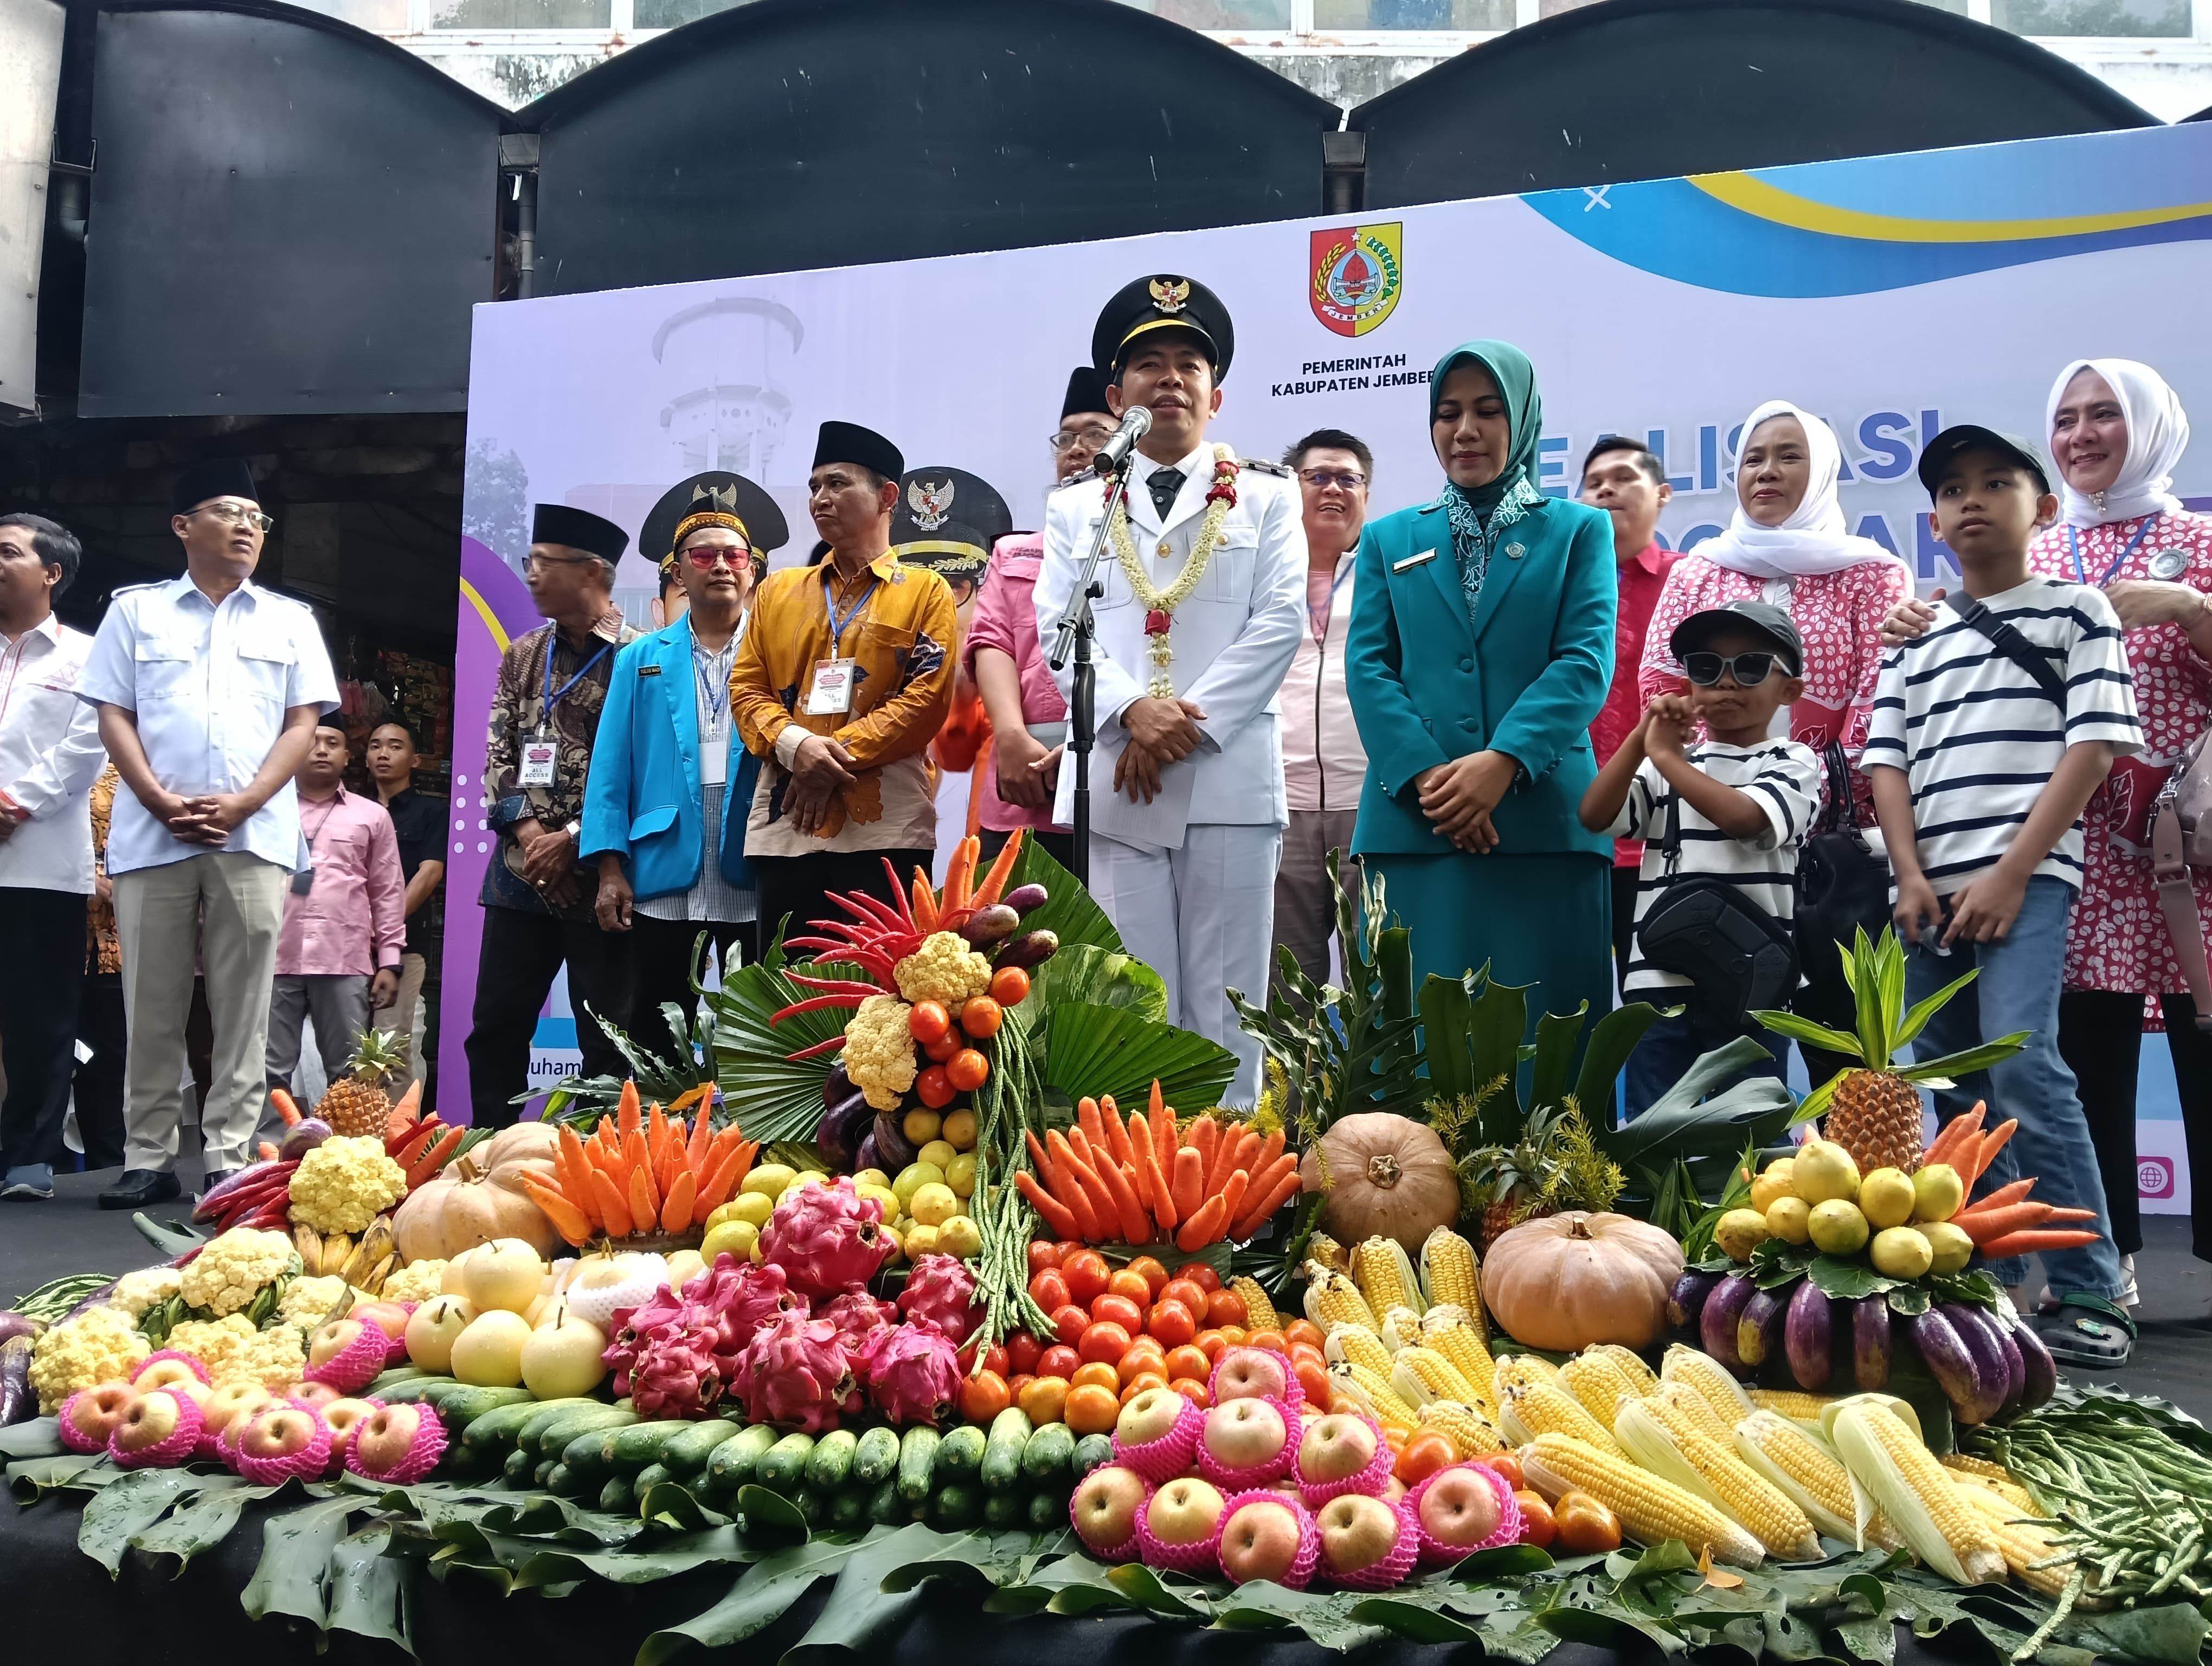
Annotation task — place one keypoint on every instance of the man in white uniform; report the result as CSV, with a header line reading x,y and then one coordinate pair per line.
x,y
1203,576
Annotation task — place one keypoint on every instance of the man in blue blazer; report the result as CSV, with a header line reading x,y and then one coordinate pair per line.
x,y
665,805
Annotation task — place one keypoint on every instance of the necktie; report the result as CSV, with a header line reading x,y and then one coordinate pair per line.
x,y
1165,485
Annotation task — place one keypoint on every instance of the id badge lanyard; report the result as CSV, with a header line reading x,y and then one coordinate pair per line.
x,y
2074,548
831,693
709,672
539,751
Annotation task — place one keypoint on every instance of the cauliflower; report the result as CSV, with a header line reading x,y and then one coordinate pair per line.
x,y
307,1301
214,1342
148,1287
417,1281
944,968
880,1051
101,1345
345,1183
275,1359
231,1271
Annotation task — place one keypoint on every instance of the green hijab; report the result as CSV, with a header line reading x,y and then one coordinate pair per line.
x,y
1515,377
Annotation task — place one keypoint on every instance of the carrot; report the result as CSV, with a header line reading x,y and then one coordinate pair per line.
x,y
1138,1139
1270,1199
614,1212
1202,1228
1080,1143
1056,1216
2013,1217
1204,1137
1117,1133
2011,1192
702,1141
1077,1202
568,1219
1241,1152
2030,1242
637,1158
656,1133
1270,1149
715,1185
1136,1225
286,1107
1104,1213
406,1113
957,872
671,1162
1188,1184
994,883
676,1210
627,1119
1106,1104
1039,1156
1088,1119
1993,1143
1946,1143
2057,1216
1232,1193
644,1201
572,1166
428,1165
415,1144
267,1151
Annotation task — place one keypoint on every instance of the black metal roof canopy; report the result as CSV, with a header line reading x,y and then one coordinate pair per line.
x,y
791,134
288,216
1647,89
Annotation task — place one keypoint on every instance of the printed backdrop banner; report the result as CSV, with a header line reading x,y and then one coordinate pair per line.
x,y
1892,295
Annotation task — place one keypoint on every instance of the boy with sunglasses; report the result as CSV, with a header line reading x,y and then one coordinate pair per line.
x,y
1744,798
1989,734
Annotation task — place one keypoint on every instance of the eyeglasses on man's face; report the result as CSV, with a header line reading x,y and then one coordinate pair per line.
x,y
533,559
236,515
1350,480
703,557
1069,438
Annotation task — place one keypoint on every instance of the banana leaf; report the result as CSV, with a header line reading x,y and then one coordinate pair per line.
x,y
1097,1050
1612,1038
1103,977
1068,910
1757,1109
769,1095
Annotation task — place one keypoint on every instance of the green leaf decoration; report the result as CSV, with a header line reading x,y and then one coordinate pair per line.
x,y
1965,1063
1916,1019
1612,1039
1776,1263
760,1597
1069,911
861,1614
1909,1301
770,1513
1097,1050
129,1507
41,1436
1848,1280
1100,978
1556,1036
201,1520
368,1588
772,1095
1755,1109
293,1575
1804,1030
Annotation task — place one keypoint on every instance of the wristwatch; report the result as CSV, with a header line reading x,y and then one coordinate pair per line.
x,y
575,832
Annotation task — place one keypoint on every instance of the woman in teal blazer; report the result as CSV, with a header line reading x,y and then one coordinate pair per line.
x,y
1480,649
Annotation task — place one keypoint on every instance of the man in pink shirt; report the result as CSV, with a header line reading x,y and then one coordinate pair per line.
x,y
345,921
1626,479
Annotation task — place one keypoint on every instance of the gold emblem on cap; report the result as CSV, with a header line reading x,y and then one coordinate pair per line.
x,y
931,505
1170,295
716,497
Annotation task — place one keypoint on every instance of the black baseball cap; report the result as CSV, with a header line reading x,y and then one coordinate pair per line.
x,y
1762,619
1941,451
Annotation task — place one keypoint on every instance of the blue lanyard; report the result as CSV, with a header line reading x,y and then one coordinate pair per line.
x,y
714,692
837,626
2074,546
546,716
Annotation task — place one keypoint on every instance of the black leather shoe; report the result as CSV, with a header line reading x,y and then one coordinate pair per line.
x,y
139,1187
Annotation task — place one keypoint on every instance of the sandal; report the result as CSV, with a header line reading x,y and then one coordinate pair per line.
x,y
2081,1329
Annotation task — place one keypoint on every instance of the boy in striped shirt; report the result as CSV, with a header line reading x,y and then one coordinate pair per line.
x,y
1746,798
1989,734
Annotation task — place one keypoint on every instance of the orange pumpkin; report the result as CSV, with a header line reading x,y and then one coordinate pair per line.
x,y
1386,1175
478,1196
1573,1280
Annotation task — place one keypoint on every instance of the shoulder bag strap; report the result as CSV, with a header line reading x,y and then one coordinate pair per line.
x,y
2176,901
2016,648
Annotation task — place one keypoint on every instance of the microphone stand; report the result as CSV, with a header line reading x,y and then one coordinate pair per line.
x,y
1076,630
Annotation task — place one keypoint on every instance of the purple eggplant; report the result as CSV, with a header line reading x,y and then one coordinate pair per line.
x,y
989,925
1687,1301
1944,1352
1024,899
891,1143
1809,1337
14,1324
1718,1322
866,1156
302,1137
2041,1379
1870,1342
253,1177
1991,1379
17,1402
839,1134
2015,1369
1030,948
837,1088
1759,1327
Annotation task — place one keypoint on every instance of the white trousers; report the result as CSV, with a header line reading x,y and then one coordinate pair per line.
x,y
1202,917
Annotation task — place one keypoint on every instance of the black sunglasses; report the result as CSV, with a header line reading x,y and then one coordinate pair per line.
x,y
1749,669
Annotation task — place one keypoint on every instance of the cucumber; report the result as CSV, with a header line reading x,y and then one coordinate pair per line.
x,y
831,1461
730,1465
875,1459
549,1413
848,1510
1001,1470
886,1508
1004,1509
1090,1451
633,1448
1047,1510
688,1453
461,1464
554,1437
1046,1455
519,1467
956,1507
541,1474
782,1465
459,1410
959,1456
582,1453
414,1390
917,1452
813,1506
616,1497
561,1480
381,1388
502,1427
648,1477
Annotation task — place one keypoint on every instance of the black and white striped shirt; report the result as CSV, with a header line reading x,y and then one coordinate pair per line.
x,y
1979,739
1783,776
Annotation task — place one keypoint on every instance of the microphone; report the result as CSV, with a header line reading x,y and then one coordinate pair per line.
x,y
1135,425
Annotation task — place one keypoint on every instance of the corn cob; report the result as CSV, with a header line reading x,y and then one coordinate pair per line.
x,y
2021,1545
2021,1501
1599,1384
1537,1408
1421,1374
1327,1252
1806,1467
1471,1434
1797,1407
1916,1492
1685,1401
1331,1298
1669,1445
1451,1273
1385,1276
1400,1328
1518,1371
1973,1466
1631,1365
1707,1376
1373,1391
1444,1327
1651,1511
1356,1344
1259,1312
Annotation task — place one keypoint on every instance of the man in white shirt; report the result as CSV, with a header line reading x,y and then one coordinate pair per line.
x,y
209,689
1203,577
50,755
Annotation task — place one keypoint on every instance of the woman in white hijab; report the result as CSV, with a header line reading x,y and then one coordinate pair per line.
x,y
2117,434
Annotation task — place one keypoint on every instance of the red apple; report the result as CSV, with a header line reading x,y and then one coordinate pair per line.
x,y
390,1317
148,1421
1336,1448
1243,1434
278,1432
231,1402
1151,1416
1252,1374
333,1339
1106,1504
342,1418
1392,1489
1356,1532
95,1413
1460,1508
318,1395
1260,1541
162,1373
1185,1511
382,1440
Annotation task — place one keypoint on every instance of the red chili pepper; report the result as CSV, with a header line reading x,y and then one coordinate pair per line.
x,y
817,1005
902,906
816,1050
837,986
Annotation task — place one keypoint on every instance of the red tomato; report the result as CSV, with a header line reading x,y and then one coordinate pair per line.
x,y
1154,1274
1192,1295
994,1359
1120,1311
1068,1324
1066,1247
1010,986
1171,1322
1043,1253
1137,1384
982,1016
1188,1362
1128,1281
1587,1526
1307,1351
943,1047
966,1070
1537,1526
1313,1379
1145,1354
1300,1330
1225,1307
1212,1343
1086,1274
1058,1360
1017,1383
1506,1465
1022,1351
925,1020
1103,1340
1195,1390
1270,1340
1201,1273
983,1396
933,1087
1423,1455
1048,1289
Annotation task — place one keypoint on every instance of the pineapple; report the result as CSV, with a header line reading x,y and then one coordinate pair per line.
x,y
1554,1166
1874,1112
358,1104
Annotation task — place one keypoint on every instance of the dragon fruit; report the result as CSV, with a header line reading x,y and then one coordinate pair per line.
x,y
675,1356
914,1376
864,1325
940,1293
748,1296
826,1237
795,1375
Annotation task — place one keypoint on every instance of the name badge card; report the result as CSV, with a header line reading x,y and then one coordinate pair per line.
x,y
538,757
714,761
831,692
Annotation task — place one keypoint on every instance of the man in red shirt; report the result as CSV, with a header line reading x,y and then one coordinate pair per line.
x,y
1625,478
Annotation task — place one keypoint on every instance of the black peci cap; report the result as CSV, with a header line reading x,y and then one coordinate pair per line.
x,y
716,498
849,442
1972,436
1086,391
577,529
948,519
1760,618
219,477
1152,305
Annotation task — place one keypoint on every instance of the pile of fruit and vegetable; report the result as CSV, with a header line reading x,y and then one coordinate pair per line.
x,y
905,1277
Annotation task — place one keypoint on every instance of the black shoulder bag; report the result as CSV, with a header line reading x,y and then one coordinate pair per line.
x,y
2014,648
1737,956
1843,887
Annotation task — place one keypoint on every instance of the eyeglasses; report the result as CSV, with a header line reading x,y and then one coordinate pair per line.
x,y
1069,438
533,559
704,557
1321,479
1749,669
236,515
